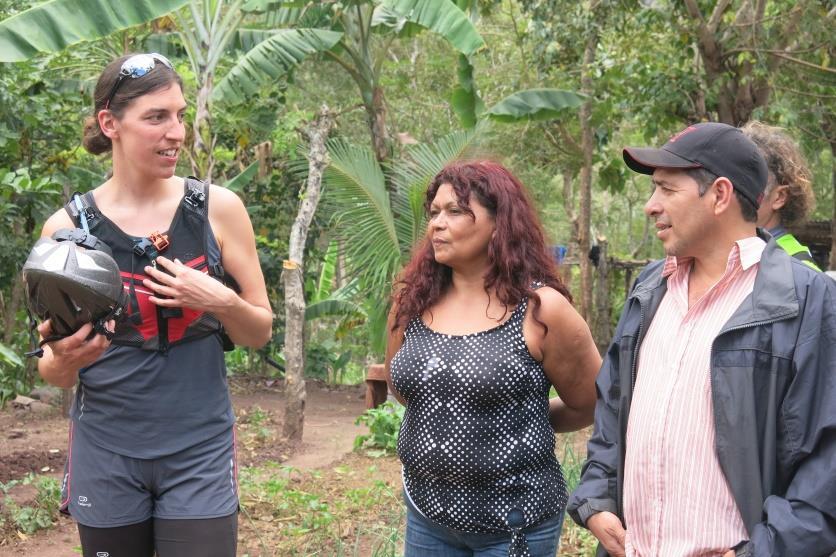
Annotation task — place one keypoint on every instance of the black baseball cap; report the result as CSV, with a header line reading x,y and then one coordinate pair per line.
x,y
721,149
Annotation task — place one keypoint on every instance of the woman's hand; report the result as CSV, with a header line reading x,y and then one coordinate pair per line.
x,y
186,287
63,358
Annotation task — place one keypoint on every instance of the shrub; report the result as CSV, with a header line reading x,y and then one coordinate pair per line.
x,y
384,425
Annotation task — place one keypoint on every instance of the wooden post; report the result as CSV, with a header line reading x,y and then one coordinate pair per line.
x,y
376,387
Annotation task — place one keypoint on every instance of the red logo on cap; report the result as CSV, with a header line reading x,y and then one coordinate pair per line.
x,y
680,134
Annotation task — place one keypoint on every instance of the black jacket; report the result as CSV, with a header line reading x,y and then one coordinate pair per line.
x,y
773,377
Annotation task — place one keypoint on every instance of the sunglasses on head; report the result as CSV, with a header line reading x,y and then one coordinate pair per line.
x,y
136,66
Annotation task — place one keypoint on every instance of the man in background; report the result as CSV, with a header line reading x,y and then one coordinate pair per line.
x,y
789,196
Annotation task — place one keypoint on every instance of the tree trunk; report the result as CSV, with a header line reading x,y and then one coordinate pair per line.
x,y
602,331
292,276
740,89
66,401
376,114
587,145
569,208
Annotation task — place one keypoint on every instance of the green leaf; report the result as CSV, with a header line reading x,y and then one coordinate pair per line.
x,y
56,24
611,176
237,183
442,17
247,39
259,6
465,100
270,60
331,308
9,356
534,104
356,189
326,275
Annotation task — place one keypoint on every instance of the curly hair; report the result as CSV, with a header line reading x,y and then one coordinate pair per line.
x,y
517,253
787,167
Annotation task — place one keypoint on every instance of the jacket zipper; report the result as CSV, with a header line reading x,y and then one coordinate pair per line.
x,y
634,366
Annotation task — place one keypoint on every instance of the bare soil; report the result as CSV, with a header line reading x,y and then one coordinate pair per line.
x,y
36,443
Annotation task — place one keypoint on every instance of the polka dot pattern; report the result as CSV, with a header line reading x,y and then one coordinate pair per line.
x,y
476,442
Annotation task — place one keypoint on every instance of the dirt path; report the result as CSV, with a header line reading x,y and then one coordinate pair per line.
x,y
36,442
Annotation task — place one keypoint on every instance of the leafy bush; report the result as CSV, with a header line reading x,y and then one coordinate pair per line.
x,y
384,425
30,519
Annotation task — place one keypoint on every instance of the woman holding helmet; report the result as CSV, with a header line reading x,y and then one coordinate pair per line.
x,y
151,464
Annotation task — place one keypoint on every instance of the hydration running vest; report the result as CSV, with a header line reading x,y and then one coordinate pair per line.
x,y
148,326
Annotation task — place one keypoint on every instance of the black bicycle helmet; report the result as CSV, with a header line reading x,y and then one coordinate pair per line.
x,y
72,279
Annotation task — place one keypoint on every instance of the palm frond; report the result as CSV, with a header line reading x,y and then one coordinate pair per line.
x,y
414,172
355,190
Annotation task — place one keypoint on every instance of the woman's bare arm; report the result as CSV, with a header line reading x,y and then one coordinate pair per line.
x,y
570,360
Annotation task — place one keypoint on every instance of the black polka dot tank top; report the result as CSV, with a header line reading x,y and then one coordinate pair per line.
x,y
476,444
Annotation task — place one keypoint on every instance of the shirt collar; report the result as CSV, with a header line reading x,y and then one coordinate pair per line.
x,y
748,251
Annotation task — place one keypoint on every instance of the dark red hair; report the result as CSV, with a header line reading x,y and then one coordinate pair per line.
x,y
517,252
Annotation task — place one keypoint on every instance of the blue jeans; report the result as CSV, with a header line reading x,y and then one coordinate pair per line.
x,y
425,538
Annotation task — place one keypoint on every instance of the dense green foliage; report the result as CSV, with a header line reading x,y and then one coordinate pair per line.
x,y
407,77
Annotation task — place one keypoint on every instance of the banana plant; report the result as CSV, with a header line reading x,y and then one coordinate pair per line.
x,y
208,28
367,28
54,25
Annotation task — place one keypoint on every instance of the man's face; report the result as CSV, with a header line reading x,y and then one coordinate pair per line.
x,y
683,218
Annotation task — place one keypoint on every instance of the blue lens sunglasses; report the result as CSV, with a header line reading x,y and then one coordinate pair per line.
x,y
134,67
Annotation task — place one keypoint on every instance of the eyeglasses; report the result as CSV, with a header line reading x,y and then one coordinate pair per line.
x,y
137,66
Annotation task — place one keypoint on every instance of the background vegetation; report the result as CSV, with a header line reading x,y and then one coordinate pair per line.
x,y
552,88
407,99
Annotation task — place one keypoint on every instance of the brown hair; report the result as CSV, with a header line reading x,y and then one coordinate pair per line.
x,y
158,78
787,167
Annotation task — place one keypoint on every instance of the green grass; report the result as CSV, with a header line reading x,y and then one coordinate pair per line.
x,y
343,511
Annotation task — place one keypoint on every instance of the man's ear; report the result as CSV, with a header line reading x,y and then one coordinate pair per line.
x,y
723,194
107,123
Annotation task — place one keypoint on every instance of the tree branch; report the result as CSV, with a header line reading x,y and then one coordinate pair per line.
x,y
803,62
717,15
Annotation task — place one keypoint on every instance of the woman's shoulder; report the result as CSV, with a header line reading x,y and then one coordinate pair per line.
x,y
550,298
224,202
554,308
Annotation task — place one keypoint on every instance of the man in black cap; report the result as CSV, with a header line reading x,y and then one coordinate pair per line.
x,y
715,428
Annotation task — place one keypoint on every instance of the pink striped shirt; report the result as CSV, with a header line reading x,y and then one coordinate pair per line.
x,y
677,502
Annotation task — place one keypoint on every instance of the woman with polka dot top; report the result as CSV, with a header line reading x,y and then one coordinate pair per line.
x,y
481,327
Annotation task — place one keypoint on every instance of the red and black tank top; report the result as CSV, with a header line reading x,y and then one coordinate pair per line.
x,y
191,240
